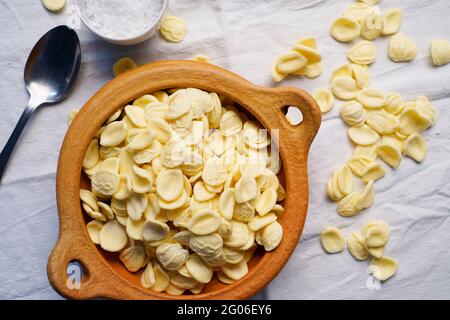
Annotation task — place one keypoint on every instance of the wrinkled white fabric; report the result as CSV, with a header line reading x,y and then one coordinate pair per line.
x,y
245,37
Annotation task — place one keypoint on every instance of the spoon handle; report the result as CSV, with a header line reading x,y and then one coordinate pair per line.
x,y
9,147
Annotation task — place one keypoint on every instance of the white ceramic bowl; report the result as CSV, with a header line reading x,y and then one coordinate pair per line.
x,y
146,34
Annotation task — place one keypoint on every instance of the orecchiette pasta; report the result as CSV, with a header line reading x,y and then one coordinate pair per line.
x,y
184,187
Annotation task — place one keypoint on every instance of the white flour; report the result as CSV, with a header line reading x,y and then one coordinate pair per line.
x,y
121,18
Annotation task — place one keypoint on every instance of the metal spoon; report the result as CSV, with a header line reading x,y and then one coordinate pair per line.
x,y
50,72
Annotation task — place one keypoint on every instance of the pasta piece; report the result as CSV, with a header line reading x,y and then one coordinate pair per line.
x,y
324,99
361,75
344,88
123,65
353,114
383,268
373,172
133,258
363,135
290,62
363,53
113,237
350,205
372,26
358,11
357,247
271,236
204,222
93,228
371,98
311,54
415,147
389,154
54,5
173,29
392,21
394,103
276,75
358,164
345,29
402,48
332,240
440,52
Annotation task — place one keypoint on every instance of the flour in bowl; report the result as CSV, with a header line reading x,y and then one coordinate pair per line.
x,y
121,18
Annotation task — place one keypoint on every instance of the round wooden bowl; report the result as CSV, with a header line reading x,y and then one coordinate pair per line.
x,y
104,275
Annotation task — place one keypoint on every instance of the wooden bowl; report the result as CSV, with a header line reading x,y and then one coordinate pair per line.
x,y
104,275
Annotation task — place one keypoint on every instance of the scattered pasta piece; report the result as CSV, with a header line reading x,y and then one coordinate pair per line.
x,y
383,268
394,103
344,88
402,48
363,53
123,65
415,147
332,240
345,29
363,135
54,5
371,98
276,75
392,21
389,154
290,62
372,26
173,29
373,172
349,205
324,99
340,184
356,245
353,114
440,52
358,11
358,164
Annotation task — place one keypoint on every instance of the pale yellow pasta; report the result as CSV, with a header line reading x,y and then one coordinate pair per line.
x,y
290,62
363,53
392,21
123,65
183,187
440,52
358,11
173,29
402,48
324,99
353,114
383,268
372,26
363,135
415,147
344,88
345,29
54,5
332,240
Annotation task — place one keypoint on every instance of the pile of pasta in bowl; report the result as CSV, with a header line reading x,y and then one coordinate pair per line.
x,y
184,186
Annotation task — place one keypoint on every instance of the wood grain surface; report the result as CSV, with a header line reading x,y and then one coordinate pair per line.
x,y
104,275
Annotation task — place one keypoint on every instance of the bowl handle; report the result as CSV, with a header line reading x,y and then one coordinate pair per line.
x,y
302,134
94,280
272,113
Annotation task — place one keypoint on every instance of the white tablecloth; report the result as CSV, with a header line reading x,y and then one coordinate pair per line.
x,y
245,37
